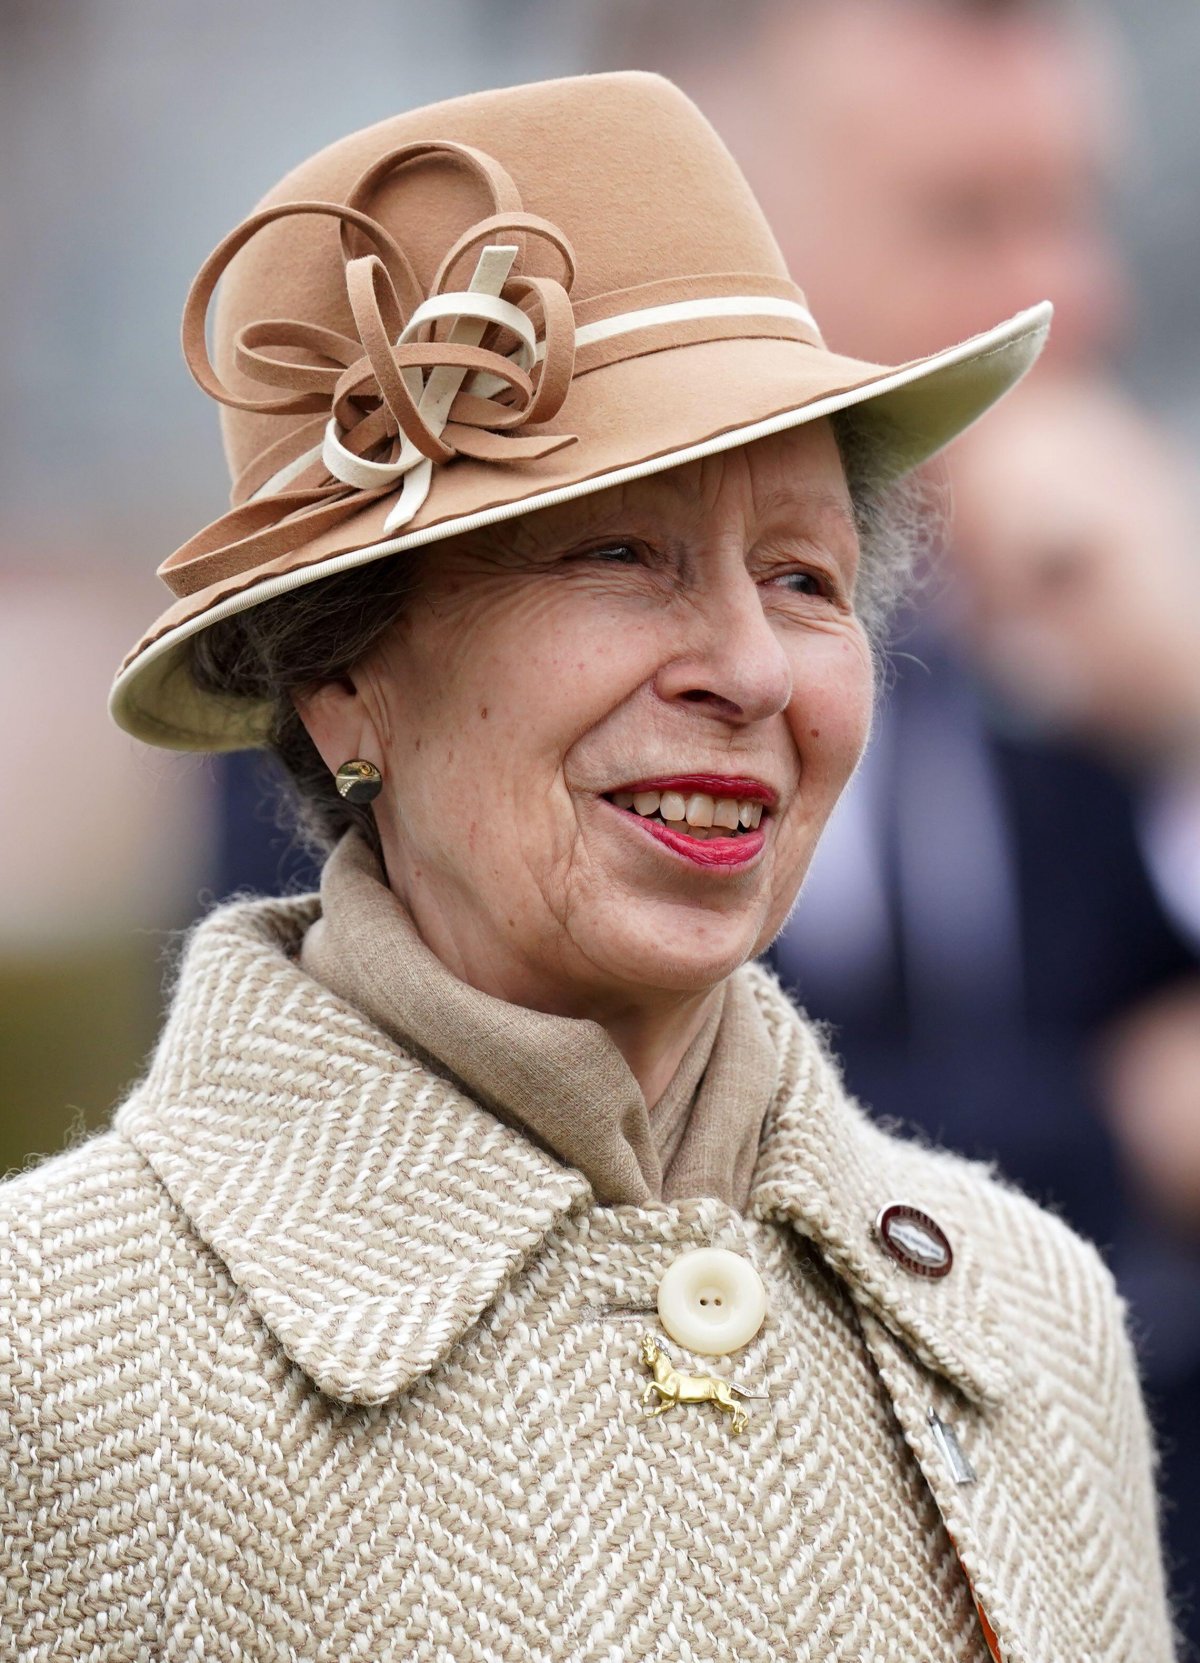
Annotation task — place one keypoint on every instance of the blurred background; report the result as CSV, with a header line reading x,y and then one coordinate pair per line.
x,y
1003,921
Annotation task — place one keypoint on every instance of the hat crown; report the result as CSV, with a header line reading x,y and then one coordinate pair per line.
x,y
624,164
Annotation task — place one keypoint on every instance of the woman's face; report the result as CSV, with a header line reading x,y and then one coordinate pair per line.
x,y
562,688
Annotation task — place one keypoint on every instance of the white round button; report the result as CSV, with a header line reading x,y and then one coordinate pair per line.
x,y
711,1300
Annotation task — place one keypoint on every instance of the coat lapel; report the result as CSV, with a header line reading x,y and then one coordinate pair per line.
x,y
367,1209
976,1511
371,1212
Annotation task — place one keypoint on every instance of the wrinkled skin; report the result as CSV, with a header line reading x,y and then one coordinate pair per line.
x,y
700,620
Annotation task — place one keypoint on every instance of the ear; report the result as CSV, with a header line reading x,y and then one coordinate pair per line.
x,y
338,723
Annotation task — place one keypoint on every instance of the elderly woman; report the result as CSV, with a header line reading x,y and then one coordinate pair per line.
x,y
490,1263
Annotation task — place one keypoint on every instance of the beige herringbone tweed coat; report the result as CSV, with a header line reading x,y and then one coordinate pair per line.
x,y
310,1357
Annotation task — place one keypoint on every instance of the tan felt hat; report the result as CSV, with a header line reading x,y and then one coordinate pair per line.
x,y
485,307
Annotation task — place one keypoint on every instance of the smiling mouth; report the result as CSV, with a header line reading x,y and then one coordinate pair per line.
x,y
694,814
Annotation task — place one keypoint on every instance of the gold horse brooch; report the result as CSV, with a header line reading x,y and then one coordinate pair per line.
x,y
674,1387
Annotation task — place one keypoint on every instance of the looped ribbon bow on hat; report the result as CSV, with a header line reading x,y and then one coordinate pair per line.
x,y
397,398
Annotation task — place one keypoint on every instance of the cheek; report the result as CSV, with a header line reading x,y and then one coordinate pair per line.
x,y
483,712
549,689
831,709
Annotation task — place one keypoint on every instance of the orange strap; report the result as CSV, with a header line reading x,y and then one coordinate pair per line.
x,y
989,1633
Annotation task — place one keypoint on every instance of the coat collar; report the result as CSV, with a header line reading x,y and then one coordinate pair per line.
x,y
370,1212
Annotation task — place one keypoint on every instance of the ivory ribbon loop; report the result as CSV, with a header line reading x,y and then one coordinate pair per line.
x,y
472,311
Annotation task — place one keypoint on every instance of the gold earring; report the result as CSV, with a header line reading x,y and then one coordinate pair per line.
x,y
358,781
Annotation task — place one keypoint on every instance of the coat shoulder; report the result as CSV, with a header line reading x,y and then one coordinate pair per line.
x,y
1076,1405
110,1306
91,1247
94,1191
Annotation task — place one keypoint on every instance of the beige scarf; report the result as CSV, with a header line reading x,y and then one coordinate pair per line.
x,y
559,1079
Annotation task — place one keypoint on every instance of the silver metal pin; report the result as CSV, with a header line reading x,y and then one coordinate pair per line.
x,y
946,1439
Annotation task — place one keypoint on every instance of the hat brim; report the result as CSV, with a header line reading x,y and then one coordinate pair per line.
x,y
635,417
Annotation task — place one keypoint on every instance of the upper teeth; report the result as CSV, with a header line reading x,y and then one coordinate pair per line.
x,y
699,809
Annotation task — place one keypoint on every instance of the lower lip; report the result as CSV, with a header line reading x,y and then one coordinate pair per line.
x,y
714,853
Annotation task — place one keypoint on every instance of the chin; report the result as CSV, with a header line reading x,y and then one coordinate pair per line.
x,y
685,951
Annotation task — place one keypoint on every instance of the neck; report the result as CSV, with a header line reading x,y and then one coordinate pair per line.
x,y
651,1027
654,1042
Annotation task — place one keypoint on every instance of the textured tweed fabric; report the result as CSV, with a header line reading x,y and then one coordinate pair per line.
x,y
309,1356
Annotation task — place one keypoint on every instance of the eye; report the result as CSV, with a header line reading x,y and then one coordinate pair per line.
x,y
621,554
802,583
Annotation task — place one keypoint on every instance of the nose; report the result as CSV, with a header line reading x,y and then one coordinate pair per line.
x,y
730,660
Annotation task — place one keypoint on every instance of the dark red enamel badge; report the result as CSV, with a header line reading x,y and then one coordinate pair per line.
x,y
914,1240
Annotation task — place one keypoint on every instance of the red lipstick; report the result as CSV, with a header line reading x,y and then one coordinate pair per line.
x,y
716,852
721,853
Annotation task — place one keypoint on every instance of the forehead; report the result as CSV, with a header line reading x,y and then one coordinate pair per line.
x,y
795,477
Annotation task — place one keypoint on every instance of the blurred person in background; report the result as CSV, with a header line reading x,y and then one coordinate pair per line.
x,y
1075,588
981,922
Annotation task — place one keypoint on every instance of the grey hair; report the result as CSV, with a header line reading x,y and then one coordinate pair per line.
x,y
319,632
901,520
